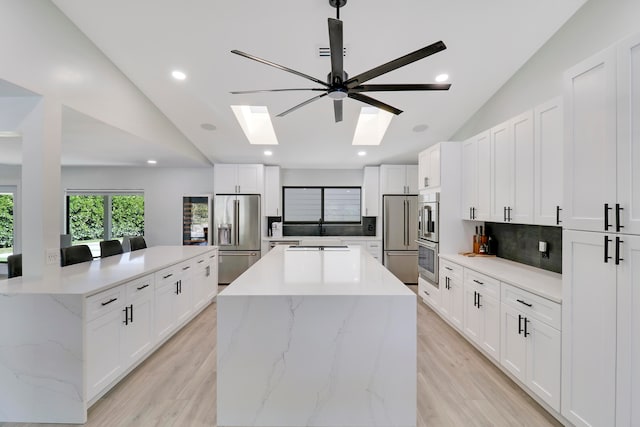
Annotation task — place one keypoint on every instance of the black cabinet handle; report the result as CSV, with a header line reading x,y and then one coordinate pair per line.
x,y
201,261
470,212
126,315
526,322
618,259
449,268
142,287
558,209
606,249
478,282
131,313
606,216
212,256
186,268
180,285
479,295
509,209
524,303
167,276
426,293
475,299
504,214
109,302
520,324
177,287
618,209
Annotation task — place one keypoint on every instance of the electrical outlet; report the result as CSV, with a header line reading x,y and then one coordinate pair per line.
x,y
53,256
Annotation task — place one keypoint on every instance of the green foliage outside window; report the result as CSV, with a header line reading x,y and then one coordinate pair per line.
x,y
127,216
6,220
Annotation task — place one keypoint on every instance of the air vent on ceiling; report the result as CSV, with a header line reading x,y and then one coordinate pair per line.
x,y
325,52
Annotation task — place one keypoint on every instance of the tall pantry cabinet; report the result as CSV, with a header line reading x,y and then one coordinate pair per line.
x,y
601,241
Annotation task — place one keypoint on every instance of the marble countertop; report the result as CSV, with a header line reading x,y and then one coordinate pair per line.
x,y
322,238
89,278
535,280
285,271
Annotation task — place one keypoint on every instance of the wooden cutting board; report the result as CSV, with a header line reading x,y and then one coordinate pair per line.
x,y
471,254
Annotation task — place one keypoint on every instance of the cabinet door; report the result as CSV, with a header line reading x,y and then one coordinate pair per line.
x,y
543,361
272,191
548,163
588,330
490,309
250,179
184,298
456,298
104,338
513,348
165,318
473,323
212,277
423,169
411,180
521,130
628,384
393,179
629,134
469,178
371,191
433,172
484,176
445,297
590,142
501,172
199,285
138,333
225,178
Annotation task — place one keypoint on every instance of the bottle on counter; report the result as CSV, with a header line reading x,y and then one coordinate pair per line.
x,y
476,242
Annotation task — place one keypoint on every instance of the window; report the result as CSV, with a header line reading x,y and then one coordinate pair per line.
x,y
92,217
328,204
7,222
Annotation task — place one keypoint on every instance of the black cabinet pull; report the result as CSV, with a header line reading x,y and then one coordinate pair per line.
x,y
470,212
109,302
618,259
504,214
558,209
180,285
186,268
522,302
475,299
201,261
426,293
131,313
526,322
606,249
167,276
606,216
177,287
479,295
142,287
212,256
509,209
449,268
478,282
618,209
520,324
126,315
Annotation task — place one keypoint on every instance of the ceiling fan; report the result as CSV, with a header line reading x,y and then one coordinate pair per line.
x,y
339,86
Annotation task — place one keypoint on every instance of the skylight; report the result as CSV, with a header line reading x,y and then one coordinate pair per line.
x,y
256,124
371,127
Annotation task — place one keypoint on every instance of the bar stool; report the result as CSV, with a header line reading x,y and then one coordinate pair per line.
x,y
110,248
137,243
75,255
14,265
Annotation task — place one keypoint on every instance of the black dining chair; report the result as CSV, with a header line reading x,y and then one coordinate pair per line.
x,y
14,265
137,243
110,247
75,255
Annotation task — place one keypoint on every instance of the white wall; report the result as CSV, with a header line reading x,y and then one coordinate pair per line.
x,y
321,177
597,25
163,190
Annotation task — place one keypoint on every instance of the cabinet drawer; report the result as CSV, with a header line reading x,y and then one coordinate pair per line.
x,y
451,269
374,246
139,287
429,293
105,302
166,276
546,311
186,268
485,284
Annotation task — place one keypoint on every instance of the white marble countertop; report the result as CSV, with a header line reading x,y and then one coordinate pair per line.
x,y
89,278
535,280
322,238
284,271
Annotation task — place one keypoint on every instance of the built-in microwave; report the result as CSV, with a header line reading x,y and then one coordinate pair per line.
x,y
428,261
428,226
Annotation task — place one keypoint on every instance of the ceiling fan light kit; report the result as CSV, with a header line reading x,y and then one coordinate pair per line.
x,y
339,86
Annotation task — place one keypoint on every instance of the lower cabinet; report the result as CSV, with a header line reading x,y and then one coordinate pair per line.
x,y
452,293
373,247
482,311
429,293
205,279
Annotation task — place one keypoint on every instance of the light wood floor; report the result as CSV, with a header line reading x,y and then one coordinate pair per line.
x,y
457,386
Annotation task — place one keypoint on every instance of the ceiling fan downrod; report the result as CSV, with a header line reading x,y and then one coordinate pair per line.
x,y
337,4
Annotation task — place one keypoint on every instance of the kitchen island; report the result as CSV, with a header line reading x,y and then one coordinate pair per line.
x,y
316,338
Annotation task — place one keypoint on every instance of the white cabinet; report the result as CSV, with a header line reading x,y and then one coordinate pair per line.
x,y
272,191
398,179
452,293
373,247
548,145
371,191
530,344
211,275
476,177
139,337
512,162
205,279
238,178
429,168
482,311
429,292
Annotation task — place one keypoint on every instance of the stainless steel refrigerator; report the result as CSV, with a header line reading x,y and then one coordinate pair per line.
x,y
236,225
400,231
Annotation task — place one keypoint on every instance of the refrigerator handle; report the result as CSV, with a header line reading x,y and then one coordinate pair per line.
x,y
237,220
404,222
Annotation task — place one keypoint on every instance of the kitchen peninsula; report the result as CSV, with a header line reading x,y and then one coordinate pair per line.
x,y
66,339
318,338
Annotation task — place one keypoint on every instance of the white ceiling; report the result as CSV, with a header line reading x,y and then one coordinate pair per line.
x,y
488,41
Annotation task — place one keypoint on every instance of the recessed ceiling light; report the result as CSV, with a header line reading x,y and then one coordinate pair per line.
x,y
442,78
178,75
420,128
208,126
362,153
268,153
256,124
152,162
371,127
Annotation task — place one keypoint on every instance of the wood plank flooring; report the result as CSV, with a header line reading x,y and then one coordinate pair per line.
x,y
457,386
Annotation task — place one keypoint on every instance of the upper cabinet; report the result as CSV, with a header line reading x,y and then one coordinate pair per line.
x,y
476,177
272,191
238,179
371,191
398,179
548,163
429,168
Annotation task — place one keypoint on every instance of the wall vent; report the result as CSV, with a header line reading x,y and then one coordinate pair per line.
x,y
325,51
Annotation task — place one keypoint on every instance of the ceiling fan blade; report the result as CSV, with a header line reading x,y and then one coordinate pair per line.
x,y
399,87
375,103
239,92
337,109
280,67
395,64
337,51
308,101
